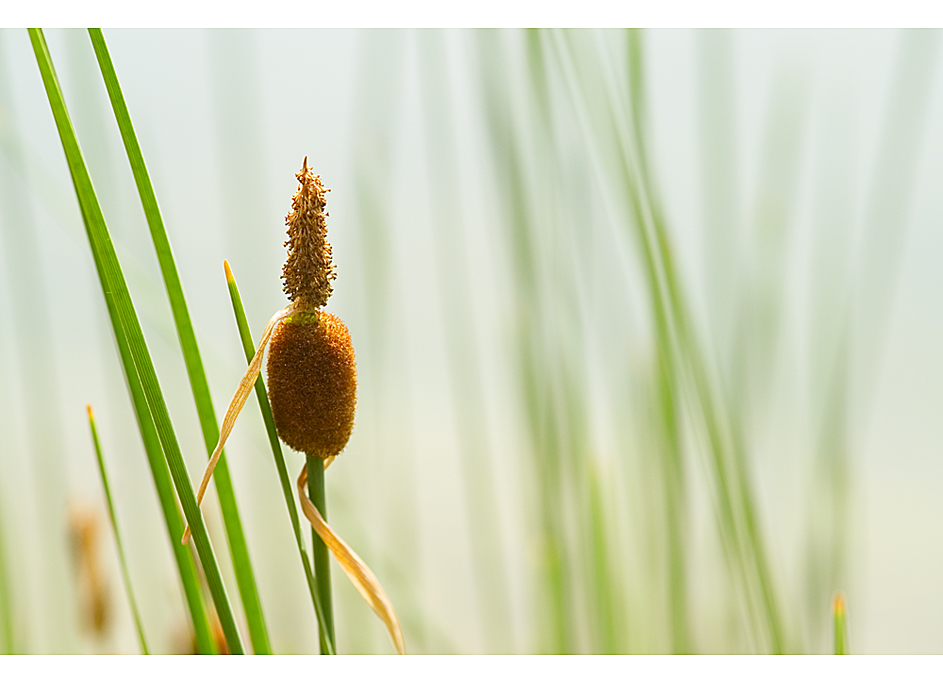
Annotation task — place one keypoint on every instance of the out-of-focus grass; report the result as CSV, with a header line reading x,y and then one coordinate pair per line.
x,y
536,341
126,577
838,613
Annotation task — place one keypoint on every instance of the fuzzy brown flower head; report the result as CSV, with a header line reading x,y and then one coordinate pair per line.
x,y
308,271
312,383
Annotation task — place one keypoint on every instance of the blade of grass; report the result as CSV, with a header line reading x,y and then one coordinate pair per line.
x,y
249,348
624,122
605,598
721,424
53,611
126,576
160,473
838,613
242,565
557,618
733,494
675,499
114,284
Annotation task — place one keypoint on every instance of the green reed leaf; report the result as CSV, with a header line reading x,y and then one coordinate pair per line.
x,y
115,288
242,565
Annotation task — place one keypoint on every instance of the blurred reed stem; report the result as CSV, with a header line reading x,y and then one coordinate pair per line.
x,y
455,281
606,115
31,318
838,614
509,164
125,575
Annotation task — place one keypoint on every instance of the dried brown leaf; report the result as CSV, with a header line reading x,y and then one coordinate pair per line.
x,y
357,571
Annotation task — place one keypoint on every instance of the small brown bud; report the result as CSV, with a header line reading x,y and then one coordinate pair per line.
x,y
312,383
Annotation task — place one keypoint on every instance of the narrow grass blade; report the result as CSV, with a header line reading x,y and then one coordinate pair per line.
x,y
556,599
607,608
186,566
32,297
242,566
114,527
838,614
675,499
115,286
606,116
249,348
720,424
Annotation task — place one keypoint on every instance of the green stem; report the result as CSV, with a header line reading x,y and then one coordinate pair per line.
x,y
249,348
838,609
322,559
126,576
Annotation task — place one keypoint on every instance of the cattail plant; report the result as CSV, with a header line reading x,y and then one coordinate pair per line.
x,y
312,389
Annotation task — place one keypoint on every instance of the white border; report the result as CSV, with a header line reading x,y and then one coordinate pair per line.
x,y
481,13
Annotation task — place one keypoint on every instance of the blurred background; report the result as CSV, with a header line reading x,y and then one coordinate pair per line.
x,y
645,322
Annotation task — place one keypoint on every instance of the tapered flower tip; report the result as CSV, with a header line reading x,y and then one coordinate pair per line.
x,y
308,270
312,383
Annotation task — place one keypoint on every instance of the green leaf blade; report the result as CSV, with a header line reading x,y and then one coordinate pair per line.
x,y
114,283
126,576
248,347
242,565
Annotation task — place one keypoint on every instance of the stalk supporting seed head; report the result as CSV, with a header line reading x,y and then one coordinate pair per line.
x,y
312,379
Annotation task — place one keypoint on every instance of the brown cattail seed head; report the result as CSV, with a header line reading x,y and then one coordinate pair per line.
x,y
308,271
312,383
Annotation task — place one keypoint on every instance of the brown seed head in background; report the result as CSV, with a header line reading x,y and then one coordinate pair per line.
x,y
308,271
85,531
312,383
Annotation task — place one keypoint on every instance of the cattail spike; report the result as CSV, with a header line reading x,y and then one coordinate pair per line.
x,y
308,271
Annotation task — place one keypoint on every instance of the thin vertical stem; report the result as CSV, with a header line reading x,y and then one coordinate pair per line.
x,y
838,610
249,347
322,559
126,576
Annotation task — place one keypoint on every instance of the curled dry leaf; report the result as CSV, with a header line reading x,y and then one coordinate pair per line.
x,y
357,571
235,406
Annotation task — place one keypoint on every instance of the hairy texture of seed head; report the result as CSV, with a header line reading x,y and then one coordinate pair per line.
x,y
308,271
312,383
